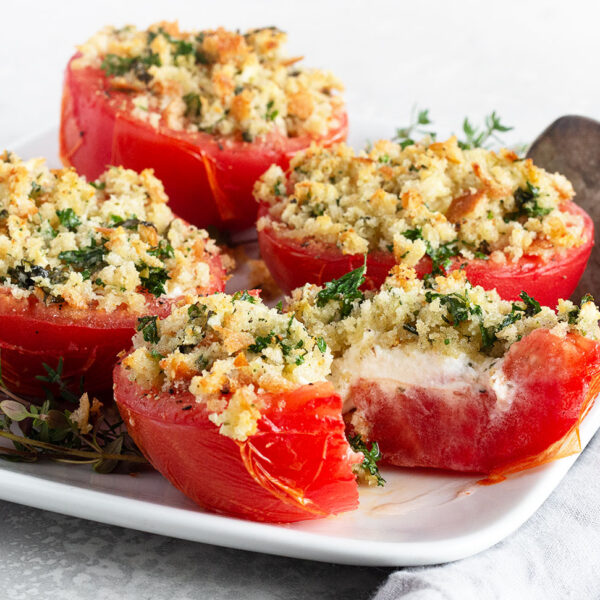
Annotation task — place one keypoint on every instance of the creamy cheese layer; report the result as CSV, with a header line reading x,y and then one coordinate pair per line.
x,y
218,81
427,198
104,244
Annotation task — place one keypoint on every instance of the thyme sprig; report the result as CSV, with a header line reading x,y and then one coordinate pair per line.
x,y
371,457
473,136
48,431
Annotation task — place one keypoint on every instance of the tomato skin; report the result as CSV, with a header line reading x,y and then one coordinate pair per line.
x,y
88,340
554,381
297,466
208,179
296,262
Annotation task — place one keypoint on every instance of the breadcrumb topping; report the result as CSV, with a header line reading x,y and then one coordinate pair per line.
x,y
228,351
107,244
451,318
422,199
217,81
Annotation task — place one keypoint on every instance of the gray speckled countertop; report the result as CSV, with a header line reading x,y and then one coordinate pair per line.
x,y
46,555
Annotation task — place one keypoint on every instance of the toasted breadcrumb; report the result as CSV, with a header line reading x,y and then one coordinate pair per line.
x,y
451,318
217,81
408,201
228,351
106,245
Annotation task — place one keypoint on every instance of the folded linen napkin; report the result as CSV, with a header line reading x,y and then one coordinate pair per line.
x,y
554,555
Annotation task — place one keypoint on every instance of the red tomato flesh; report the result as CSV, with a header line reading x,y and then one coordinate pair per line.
x,y
88,340
208,179
297,466
553,381
296,262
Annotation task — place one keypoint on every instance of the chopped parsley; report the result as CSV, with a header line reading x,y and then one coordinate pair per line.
x,y
532,306
413,234
526,204
440,259
133,223
574,314
261,342
321,345
91,257
193,106
271,114
153,278
23,275
36,191
115,65
344,290
68,219
370,457
244,296
163,251
147,325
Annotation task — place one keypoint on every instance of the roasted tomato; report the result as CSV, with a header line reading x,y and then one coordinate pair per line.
x,y
297,466
550,383
208,178
451,376
294,262
85,341
80,263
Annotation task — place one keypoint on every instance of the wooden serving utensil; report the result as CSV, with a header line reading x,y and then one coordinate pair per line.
x,y
571,146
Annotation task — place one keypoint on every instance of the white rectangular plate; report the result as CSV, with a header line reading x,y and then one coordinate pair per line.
x,y
421,517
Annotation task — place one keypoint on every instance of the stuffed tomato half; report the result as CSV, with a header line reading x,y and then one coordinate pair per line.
x,y
209,111
228,400
80,262
432,206
453,377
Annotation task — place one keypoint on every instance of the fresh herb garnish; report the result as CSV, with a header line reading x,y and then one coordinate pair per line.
x,y
147,325
371,457
532,306
574,314
68,219
413,234
526,204
477,137
113,64
474,136
36,191
99,185
321,345
244,296
440,259
271,114
261,342
22,275
344,290
86,258
163,251
153,278
193,106
49,431
405,135
133,223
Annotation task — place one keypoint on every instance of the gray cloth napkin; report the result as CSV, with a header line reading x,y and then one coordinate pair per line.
x,y
554,555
